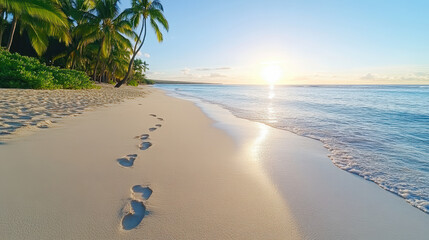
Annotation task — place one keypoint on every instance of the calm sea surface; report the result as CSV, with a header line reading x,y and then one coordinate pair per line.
x,y
378,132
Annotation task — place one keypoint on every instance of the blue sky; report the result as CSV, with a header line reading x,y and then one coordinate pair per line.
x,y
314,42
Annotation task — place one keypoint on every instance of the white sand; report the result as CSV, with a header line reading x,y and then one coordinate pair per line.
x,y
223,179
66,183
24,110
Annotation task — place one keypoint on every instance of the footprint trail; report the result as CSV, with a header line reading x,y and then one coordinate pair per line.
x,y
139,193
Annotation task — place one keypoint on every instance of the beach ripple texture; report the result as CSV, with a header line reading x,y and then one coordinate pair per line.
x,y
26,109
380,133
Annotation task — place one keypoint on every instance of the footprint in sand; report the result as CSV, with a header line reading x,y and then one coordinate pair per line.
x,y
158,125
153,115
146,192
135,216
127,161
152,129
137,208
145,145
160,119
143,137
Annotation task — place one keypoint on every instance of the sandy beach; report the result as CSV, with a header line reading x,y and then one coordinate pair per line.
x,y
156,119
25,110
66,182
159,167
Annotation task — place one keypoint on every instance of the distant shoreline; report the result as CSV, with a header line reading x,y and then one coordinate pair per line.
x,y
292,85
180,82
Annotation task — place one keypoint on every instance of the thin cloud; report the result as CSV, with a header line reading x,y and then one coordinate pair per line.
x,y
146,55
213,69
216,75
186,71
368,76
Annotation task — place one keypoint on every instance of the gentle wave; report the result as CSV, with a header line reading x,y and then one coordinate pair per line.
x,y
378,132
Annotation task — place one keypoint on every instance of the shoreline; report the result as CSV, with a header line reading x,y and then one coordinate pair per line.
x,y
213,176
338,155
366,208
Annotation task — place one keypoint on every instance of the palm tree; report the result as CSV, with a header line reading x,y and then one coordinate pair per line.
x,y
118,62
40,19
144,10
145,66
76,11
3,23
118,55
104,26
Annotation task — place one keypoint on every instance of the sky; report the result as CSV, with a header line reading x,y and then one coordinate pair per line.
x,y
311,41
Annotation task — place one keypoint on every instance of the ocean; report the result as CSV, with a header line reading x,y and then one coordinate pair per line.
x,y
380,133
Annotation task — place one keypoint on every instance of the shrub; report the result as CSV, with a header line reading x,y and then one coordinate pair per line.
x,y
18,71
148,81
140,79
133,83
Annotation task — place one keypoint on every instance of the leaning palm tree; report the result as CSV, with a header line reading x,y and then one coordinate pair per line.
x,y
143,11
40,19
105,25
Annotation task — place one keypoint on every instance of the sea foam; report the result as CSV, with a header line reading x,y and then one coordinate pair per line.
x,y
380,133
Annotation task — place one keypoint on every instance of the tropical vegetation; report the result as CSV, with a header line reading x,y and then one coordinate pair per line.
x,y
18,71
89,36
139,77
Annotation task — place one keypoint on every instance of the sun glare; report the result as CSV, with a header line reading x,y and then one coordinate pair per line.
x,y
271,73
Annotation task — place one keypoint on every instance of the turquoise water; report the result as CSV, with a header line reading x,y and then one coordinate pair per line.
x,y
380,133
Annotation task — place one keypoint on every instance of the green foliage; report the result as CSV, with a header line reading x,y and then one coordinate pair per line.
x,y
148,81
139,67
107,28
17,71
142,11
40,19
133,83
93,35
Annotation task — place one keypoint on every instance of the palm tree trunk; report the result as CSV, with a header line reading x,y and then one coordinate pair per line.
x,y
98,60
102,73
1,36
73,62
12,32
1,27
119,84
113,73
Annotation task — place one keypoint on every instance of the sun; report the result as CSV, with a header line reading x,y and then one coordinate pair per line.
x,y
271,73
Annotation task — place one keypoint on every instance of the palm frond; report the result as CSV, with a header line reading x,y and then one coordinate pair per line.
x,y
40,9
158,32
157,5
158,16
